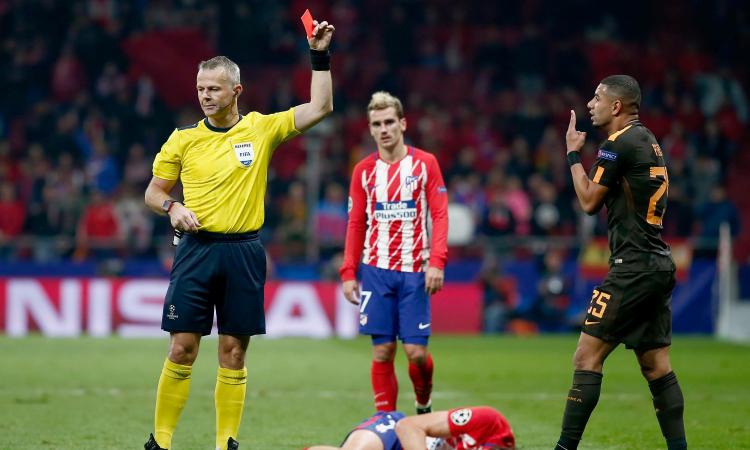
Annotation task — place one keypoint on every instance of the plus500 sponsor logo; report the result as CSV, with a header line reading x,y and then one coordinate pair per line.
x,y
388,211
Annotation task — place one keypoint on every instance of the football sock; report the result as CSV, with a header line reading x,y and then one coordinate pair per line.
x,y
171,395
421,378
582,398
566,443
229,399
384,385
669,405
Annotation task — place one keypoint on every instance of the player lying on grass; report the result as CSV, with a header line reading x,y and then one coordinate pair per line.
x,y
470,428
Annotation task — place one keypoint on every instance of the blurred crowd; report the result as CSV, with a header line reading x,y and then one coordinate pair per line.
x,y
487,87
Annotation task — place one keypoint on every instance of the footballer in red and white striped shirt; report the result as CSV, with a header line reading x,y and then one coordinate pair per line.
x,y
400,262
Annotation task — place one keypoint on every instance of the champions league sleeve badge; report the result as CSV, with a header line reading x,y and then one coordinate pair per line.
x,y
244,152
461,417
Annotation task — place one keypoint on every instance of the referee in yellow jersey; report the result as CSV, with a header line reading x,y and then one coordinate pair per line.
x,y
220,263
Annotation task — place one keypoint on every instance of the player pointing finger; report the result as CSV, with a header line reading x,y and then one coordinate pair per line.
x,y
574,138
633,304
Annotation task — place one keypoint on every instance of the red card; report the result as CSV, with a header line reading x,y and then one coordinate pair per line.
x,y
307,21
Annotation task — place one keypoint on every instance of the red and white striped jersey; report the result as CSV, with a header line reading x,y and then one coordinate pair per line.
x,y
388,205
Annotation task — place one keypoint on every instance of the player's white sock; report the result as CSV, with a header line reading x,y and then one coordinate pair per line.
x,y
436,443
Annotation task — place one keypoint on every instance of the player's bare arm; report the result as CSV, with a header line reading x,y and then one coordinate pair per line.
x,y
434,279
180,216
321,86
590,195
413,430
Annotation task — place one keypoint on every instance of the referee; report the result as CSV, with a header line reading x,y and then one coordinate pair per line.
x,y
220,263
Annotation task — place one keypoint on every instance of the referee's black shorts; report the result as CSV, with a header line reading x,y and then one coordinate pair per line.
x,y
225,272
634,308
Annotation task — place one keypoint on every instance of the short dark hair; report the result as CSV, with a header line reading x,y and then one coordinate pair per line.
x,y
625,88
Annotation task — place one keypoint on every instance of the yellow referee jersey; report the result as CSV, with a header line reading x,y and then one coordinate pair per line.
x,y
224,171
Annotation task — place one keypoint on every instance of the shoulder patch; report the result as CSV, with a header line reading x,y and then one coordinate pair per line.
x,y
604,154
187,127
461,417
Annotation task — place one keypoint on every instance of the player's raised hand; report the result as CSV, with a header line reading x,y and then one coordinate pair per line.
x,y
433,280
183,219
322,34
351,291
574,139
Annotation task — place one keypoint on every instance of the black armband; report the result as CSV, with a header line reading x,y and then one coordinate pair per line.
x,y
320,60
573,158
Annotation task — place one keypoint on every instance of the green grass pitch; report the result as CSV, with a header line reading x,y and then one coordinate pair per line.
x,y
99,393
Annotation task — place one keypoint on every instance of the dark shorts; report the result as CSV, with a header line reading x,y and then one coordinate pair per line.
x,y
221,272
383,424
634,308
394,303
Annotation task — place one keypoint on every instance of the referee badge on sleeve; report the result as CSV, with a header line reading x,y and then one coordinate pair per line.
x,y
244,152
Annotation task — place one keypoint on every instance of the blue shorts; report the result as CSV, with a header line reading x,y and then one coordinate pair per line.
x,y
222,272
392,304
384,425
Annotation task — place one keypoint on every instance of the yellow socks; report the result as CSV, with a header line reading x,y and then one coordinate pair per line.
x,y
171,395
229,399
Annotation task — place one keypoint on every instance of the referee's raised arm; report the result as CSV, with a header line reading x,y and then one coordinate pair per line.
x,y
220,265
321,86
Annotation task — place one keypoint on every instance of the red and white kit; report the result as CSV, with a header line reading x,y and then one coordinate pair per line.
x,y
478,427
388,206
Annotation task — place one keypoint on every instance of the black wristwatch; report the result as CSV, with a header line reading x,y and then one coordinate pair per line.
x,y
167,205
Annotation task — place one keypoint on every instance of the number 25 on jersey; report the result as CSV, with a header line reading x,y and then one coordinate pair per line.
x,y
657,204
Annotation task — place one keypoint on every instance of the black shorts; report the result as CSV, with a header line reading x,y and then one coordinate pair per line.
x,y
634,308
225,272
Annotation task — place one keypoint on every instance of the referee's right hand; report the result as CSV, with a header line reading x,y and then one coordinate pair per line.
x,y
183,219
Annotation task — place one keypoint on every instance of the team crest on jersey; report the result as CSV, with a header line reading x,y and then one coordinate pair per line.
x,y
245,153
461,416
411,182
363,319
